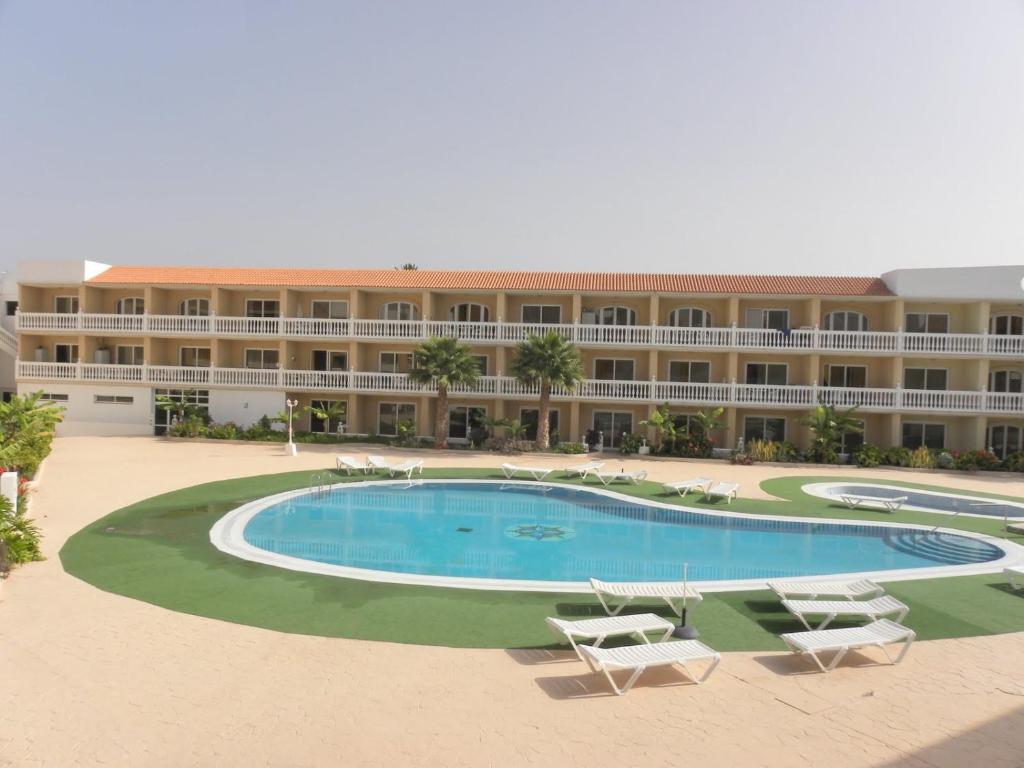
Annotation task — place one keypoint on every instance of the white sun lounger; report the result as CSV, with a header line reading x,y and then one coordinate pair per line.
x,y
810,590
628,591
639,657
631,477
582,470
350,465
853,501
406,468
683,487
378,462
637,625
831,609
537,473
725,491
877,634
1015,576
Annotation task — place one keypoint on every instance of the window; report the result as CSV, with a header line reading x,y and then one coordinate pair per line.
x,y
262,308
613,370
851,441
328,309
615,316
689,317
390,414
65,353
65,305
689,371
194,307
194,357
395,362
53,397
614,424
329,360
916,434
113,399
844,320
924,378
775,374
261,358
469,313
923,322
846,376
530,418
1005,381
771,428
336,423
398,310
1005,439
481,363
464,421
131,305
550,314
129,355
12,308
1003,325
776,319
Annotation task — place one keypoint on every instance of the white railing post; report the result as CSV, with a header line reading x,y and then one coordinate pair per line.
x,y
732,388
899,339
898,396
814,392
144,373
732,339
499,385
816,338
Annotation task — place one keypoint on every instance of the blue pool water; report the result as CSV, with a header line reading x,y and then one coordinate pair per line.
x,y
491,530
934,501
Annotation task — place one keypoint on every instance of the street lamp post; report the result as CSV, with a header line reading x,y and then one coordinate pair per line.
x,y
291,449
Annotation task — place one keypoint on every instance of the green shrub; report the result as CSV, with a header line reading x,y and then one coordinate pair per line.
x,y
787,451
190,426
868,456
227,431
897,456
763,450
945,460
19,535
573,448
1014,462
741,458
922,458
405,433
975,460
629,444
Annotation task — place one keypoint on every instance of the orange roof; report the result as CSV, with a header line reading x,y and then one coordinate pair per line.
x,y
620,282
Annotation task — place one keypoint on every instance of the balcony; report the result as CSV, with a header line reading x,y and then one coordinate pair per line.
x,y
799,397
810,340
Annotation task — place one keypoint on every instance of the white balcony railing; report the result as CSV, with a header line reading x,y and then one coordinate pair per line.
x,y
756,339
793,396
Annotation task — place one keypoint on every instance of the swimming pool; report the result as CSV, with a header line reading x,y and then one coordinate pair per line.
x,y
524,535
921,500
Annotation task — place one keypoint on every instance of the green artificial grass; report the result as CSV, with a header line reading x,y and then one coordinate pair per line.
x,y
159,551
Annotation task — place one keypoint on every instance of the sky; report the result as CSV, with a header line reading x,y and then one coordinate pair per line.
x,y
792,136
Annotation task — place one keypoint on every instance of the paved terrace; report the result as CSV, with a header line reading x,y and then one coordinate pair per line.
x,y
95,678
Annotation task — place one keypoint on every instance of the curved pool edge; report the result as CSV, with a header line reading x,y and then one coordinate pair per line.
x,y
821,491
227,536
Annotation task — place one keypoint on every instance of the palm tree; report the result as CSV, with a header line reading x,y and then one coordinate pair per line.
x,y
332,410
547,361
709,420
444,362
664,425
181,406
827,426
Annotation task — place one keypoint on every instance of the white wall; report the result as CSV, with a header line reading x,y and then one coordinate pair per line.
x,y
58,272
244,406
84,416
977,283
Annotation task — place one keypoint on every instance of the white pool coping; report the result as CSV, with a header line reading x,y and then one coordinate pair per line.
x,y
227,536
824,491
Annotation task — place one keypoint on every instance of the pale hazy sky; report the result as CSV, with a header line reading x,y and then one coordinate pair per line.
x,y
810,137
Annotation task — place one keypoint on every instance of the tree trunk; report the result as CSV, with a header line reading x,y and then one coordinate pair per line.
x,y
543,410
441,419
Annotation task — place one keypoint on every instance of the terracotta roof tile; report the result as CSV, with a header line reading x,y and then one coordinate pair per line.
x,y
598,282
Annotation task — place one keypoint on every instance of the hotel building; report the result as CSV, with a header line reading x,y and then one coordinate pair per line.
x,y
931,357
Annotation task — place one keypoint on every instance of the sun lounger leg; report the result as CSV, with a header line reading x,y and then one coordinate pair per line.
x,y
828,620
678,611
836,659
629,683
609,608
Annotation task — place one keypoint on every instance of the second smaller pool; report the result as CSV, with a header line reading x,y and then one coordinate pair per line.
x,y
920,500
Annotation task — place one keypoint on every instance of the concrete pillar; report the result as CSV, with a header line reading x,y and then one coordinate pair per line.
x,y
977,431
424,417
895,430
732,367
356,419
652,365
732,312
813,372
355,305
732,434
982,313
982,368
655,310
355,356
290,301
575,428
500,363
427,306
219,301
894,315
577,307
812,311
501,307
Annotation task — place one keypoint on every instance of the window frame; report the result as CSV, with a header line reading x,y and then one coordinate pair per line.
x,y
314,302
1009,373
380,360
414,311
119,305
485,312
541,308
615,361
74,351
185,302
552,412
766,365
927,323
689,371
398,406
326,424
181,356
613,442
263,304
72,298
630,314
263,351
826,320
924,434
1002,450
1010,317
765,317
674,313
327,353
141,349
927,371
764,417
469,428
101,399
827,375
